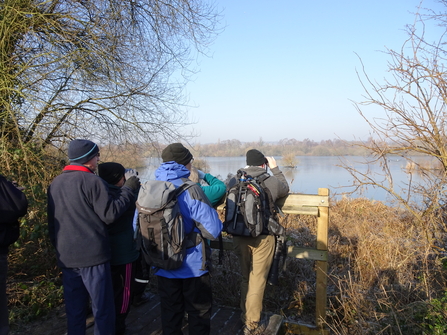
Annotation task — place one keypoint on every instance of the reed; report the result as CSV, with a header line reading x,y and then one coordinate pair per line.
x,y
384,273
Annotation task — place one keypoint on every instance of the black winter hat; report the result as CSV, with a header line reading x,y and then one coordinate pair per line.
x,y
255,158
176,152
111,172
81,151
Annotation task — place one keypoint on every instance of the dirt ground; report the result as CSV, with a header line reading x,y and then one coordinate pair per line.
x,y
53,323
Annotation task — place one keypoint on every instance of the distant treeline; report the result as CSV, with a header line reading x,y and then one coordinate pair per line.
x,y
306,147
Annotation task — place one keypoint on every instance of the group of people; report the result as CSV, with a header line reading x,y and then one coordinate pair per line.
x,y
91,211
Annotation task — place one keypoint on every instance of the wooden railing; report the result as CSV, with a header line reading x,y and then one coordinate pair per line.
x,y
316,205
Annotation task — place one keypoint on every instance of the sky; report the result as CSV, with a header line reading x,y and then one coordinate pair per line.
x,y
288,68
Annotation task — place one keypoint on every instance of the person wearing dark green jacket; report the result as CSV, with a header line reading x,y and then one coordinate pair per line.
x,y
124,250
214,189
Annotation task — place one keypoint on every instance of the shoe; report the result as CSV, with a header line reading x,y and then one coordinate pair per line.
x,y
258,329
142,299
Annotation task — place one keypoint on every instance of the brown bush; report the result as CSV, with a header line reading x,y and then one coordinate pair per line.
x,y
382,271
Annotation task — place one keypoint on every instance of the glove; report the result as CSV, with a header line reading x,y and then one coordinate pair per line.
x,y
201,174
130,172
133,183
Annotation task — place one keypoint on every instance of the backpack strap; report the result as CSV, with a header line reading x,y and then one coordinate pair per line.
x,y
194,237
274,209
182,188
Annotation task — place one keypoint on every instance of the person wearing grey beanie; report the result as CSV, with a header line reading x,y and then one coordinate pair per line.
x,y
82,151
80,207
256,253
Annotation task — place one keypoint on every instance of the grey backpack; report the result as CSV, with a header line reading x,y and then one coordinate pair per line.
x,y
161,233
250,209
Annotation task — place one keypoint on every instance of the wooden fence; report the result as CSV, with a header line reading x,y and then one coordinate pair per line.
x,y
316,205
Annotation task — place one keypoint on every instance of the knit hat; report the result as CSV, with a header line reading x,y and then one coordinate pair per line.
x,y
255,158
81,151
111,172
176,152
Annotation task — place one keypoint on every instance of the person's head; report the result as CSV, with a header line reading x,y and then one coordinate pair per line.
x,y
112,173
84,152
255,158
178,153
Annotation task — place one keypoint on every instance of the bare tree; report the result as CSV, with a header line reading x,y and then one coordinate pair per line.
x,y
108,70
413,100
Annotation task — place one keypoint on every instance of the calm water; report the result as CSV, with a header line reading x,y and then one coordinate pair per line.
x,y
312,172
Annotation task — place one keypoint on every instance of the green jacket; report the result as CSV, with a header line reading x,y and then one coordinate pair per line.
x,y
215,189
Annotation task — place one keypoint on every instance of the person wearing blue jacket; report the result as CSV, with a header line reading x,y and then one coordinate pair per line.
x,y
188,288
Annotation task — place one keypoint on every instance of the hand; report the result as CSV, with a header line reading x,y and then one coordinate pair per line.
x,y
271,162
130,172
133,183
201,174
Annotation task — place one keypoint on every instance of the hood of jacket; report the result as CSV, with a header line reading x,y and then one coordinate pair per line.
x,y
170,171
254,171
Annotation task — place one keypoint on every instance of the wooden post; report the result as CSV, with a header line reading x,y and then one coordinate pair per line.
x,y
322,266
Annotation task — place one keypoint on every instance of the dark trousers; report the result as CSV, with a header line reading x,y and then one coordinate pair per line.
x,y
79,284
141,276
191,295
4,325
122,278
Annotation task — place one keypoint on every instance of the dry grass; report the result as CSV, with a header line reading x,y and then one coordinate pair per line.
x,y
383,271
384,274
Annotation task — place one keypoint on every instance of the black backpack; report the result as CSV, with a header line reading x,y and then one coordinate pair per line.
x,y
249,208
160,230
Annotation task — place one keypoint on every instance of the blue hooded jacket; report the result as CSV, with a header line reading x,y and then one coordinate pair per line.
x,y
198,214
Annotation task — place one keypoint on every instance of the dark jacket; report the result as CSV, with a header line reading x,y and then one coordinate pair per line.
x,y
79,207
13,205
277,184
121,233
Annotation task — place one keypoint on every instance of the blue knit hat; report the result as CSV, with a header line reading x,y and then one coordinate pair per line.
x,y
81,151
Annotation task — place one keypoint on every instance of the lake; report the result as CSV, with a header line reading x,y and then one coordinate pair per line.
x,y
311,173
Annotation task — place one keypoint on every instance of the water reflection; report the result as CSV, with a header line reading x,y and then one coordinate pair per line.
x,y
312,172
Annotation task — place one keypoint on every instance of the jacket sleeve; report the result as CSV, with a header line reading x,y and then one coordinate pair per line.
x,y
215,189
107,206
202,213
282,188
13,202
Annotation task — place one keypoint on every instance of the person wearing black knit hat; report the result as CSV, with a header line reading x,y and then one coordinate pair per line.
x,y
79,209
176,152
256,253
124,249
188,288
255,158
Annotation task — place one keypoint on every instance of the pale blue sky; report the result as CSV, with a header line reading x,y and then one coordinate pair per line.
x,y
287,68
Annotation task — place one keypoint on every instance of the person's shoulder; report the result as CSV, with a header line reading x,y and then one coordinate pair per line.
x,y
195,191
